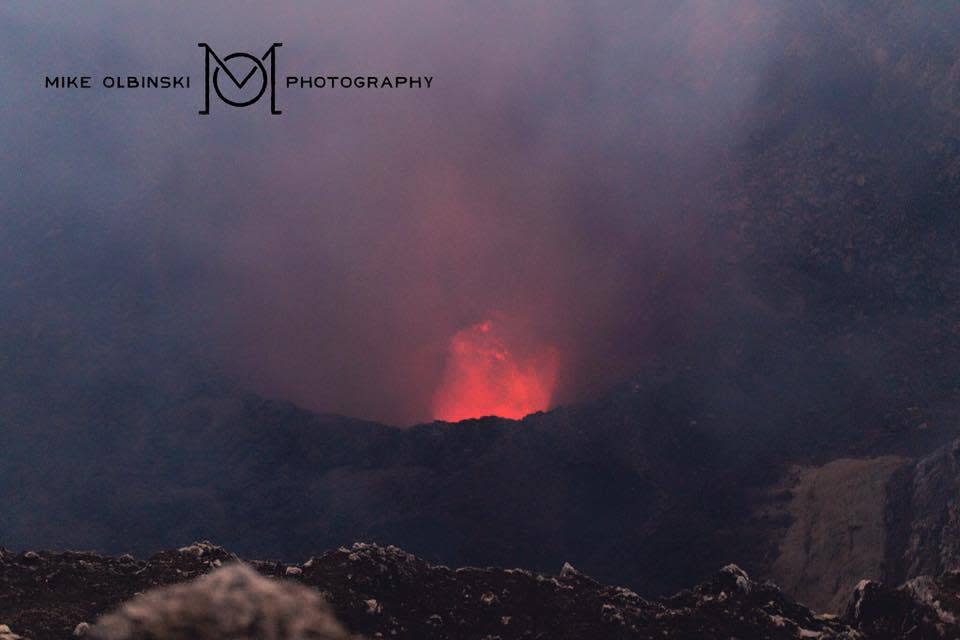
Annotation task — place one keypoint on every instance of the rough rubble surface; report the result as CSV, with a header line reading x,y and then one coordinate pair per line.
x,y
384,592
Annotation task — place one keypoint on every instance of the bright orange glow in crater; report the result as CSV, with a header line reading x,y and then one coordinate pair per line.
x,y
487,374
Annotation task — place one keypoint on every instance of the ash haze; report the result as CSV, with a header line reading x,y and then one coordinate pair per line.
x,y
561,176
717,241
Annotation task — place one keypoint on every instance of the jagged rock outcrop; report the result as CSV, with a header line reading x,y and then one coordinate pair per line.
x,y
384,592
922,608
924,516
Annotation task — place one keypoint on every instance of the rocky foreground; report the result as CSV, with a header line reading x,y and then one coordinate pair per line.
x,y
378,592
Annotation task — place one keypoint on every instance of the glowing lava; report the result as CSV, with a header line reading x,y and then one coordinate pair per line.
x,y
484,377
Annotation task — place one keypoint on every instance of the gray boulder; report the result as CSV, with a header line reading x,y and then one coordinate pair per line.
x,y
232,602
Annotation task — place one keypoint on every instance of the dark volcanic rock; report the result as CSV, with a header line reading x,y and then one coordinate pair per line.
x,y
922,608
924,516
385,592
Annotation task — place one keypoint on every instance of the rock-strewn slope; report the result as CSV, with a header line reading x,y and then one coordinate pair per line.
x,y
385,592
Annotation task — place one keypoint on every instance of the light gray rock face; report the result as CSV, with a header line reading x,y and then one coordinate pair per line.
x,y
232,602
837,535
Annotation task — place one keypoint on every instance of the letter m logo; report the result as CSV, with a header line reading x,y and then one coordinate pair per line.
x,y
247,77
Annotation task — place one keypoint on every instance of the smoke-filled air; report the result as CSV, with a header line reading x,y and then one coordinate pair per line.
x,y
557,173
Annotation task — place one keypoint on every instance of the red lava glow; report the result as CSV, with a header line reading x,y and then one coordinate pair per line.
x,y
484,377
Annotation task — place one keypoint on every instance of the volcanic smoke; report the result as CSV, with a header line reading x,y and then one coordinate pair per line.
x,y
485,377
